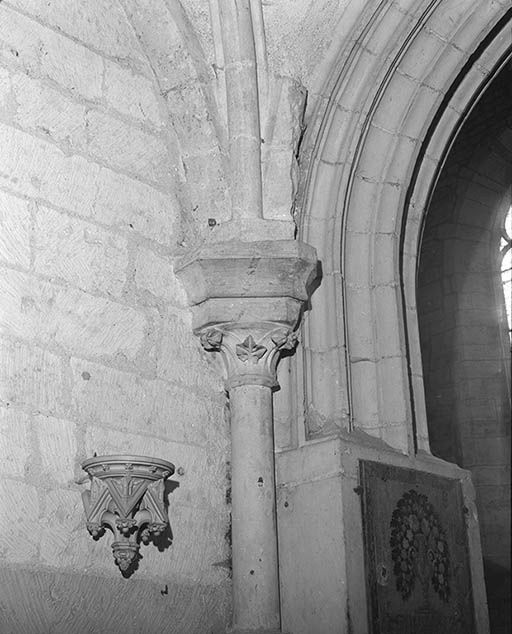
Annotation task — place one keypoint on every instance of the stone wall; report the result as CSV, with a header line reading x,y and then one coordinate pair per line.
x,y
97,351
131,135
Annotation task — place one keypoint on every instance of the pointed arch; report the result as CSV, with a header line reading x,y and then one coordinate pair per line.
x,y
377,139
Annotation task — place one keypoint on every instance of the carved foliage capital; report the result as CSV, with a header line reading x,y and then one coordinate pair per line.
x,y
251,352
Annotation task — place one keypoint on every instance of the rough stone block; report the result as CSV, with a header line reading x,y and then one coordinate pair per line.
x,y
80,323
129,204
40,51
57,448
192,119
31,377
19,539
103,25
126,147
14,442
8,103
46,111
128,402
18,44
156,275
36,168
64,539
14,230
79,252
73,66
133,95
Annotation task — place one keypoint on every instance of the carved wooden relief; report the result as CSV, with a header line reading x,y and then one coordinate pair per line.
x,y
416,552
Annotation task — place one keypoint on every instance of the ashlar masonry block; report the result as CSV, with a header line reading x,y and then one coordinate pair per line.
x,y
14,441
43,52
78,322
36,168
129,204
47,111
31,377
57,447
82,253
15,222
22,502
131,403
155,274
101,25
126,147
132,94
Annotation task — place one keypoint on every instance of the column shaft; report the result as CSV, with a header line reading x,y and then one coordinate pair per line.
x,y
255,563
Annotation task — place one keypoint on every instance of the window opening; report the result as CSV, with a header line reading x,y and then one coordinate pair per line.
x,y
506,266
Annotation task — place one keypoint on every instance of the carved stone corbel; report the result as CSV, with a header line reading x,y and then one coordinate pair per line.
x,y
127,497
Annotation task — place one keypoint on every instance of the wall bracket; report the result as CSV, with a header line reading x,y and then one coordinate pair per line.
x,y
126,496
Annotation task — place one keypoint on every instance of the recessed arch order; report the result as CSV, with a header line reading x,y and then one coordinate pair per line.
x,y
377,137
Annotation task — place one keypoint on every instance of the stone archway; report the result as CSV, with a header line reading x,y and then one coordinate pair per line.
x,y
463,325
377,140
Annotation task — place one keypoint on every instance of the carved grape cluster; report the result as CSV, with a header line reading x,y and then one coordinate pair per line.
x,y
418,546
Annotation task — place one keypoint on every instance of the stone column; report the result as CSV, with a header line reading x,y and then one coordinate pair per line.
x,y
246,301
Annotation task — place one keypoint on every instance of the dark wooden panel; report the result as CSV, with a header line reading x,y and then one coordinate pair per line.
x,y
416,552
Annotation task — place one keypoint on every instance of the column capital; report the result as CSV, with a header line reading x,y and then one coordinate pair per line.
x,y
246,300
250,351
